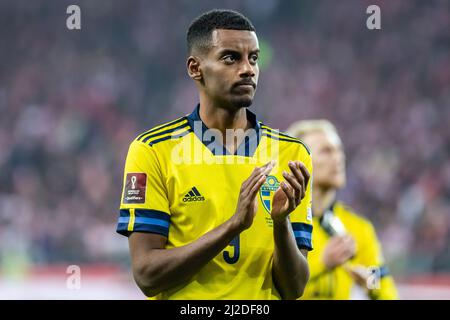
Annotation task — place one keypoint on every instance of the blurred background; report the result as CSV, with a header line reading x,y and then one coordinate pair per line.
x,y
71,101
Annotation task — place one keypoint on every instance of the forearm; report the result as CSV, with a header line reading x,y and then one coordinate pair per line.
x,y
290,268
162,269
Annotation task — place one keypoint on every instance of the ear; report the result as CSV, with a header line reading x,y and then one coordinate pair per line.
x,y
193,68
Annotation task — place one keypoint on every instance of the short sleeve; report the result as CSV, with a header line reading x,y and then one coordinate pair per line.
x,y
301,217
144,205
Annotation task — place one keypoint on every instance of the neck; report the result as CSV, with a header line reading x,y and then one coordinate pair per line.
x,y
322,199
222,118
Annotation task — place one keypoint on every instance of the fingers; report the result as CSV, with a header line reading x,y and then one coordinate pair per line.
x,y
256,173
293,165
342,243
259,174
339,250
346,254
343,247
301,175
358,273
257,185
349,245
289,192
267,168
351,250
305,172
345,241
297,188
254,177
339,257
298,180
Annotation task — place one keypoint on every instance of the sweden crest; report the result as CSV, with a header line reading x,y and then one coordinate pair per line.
x,y
267,190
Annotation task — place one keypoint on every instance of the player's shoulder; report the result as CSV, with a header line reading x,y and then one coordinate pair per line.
x,y
174,129
283,137
348,213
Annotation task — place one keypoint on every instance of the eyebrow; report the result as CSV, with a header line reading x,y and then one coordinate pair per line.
x,y
233,51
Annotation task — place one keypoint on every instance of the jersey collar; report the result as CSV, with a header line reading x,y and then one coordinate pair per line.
x,y
247,147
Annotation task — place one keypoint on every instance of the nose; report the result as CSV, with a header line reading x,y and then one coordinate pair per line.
x,y
247,69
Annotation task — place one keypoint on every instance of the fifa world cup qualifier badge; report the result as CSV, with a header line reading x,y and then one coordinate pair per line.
x,y
135,187
266,194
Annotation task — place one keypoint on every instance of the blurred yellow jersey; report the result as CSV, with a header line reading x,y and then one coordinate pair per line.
x,y
180,183
337,283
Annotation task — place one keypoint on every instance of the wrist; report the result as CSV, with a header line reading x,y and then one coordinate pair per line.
x,y
235,226
281,222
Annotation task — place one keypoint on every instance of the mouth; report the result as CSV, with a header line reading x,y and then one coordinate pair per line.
x,y
337,172
247,86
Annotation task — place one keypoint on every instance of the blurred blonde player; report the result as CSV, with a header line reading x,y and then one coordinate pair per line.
x,y
346,251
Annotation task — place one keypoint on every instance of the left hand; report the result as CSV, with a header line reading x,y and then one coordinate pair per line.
x,y
291,191
358,273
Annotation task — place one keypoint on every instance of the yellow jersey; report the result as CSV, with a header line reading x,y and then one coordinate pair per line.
x,y
180,182
337,283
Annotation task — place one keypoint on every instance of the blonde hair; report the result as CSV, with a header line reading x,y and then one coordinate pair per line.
x,y
300,129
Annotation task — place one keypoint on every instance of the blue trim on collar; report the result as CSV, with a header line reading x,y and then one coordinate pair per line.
x,y
246,148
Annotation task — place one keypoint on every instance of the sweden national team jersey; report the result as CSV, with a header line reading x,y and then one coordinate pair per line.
x,y
337,283
181,183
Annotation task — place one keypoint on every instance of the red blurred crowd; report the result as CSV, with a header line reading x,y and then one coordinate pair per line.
x,y
71,102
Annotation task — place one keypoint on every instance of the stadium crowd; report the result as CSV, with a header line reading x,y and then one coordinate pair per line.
x,y
71,102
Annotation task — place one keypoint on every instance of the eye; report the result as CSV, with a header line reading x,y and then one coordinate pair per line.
x,y
253,58
229,58
327,150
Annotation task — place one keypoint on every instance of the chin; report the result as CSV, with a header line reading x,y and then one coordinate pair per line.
x,y
242,102
339,184
333,184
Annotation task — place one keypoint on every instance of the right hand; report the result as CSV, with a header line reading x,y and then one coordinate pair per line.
x,y
338,250
247,204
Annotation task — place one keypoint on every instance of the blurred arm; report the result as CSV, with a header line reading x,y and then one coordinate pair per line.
x,y
371,256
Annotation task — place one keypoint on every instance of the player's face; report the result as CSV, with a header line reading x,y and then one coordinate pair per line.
x,y
328,159
230,68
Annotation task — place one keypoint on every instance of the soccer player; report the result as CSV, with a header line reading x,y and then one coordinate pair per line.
x,y
346,248
215,204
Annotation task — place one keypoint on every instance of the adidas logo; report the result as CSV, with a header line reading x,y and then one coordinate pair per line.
x,y
193,195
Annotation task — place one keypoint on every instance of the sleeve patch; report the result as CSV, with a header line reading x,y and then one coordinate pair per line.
x,y
135,188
